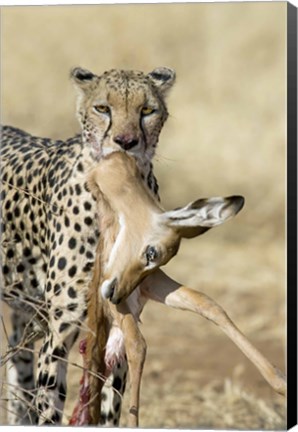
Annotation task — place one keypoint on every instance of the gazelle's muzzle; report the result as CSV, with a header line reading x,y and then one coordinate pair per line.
x,y
108,290
118,289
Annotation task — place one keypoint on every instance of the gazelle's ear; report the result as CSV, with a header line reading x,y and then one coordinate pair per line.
x,y
163,78
82,78
203,214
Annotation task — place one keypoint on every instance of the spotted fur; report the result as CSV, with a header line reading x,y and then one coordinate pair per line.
x,y
50,231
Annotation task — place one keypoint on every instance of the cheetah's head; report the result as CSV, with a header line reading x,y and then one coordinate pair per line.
x,y
122,110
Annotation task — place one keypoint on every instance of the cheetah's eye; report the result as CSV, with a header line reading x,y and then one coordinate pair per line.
x,y
102,109
146,110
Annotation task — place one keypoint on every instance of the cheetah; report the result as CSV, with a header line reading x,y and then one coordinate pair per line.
x,y
50,230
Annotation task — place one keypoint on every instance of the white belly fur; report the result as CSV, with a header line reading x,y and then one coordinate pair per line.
x,y
115,348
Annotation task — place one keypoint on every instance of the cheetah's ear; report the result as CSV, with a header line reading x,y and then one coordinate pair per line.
x,y
82,77
163,78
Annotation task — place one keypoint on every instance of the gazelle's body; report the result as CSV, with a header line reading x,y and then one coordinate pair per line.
x,y
136,244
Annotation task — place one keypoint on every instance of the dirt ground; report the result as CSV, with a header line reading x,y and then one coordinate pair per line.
x,y
225,135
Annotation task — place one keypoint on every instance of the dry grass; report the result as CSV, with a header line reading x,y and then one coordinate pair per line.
x,y
226,135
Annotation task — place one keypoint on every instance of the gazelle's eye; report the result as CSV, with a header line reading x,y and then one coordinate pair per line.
x,y
146,110
151,254
102,109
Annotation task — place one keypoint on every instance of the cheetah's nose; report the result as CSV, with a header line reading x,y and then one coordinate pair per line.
x,y
126,141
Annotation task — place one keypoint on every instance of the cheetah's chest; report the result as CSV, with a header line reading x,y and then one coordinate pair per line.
x,y
73,238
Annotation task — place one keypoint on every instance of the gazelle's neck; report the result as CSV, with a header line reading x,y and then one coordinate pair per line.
x,y
120,179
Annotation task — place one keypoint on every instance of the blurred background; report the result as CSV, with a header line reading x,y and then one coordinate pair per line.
x,y
226,135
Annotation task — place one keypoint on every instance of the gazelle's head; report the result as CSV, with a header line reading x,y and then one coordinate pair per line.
x,y
138,236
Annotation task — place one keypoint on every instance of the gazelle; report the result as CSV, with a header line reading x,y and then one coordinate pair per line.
x,y
139,237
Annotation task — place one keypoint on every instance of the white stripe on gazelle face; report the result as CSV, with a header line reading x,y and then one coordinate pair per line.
x,y
116,248
139,235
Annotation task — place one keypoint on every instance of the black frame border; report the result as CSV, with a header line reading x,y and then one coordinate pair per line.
x,y
292,215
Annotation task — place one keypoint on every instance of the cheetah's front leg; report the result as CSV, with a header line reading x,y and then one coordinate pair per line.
x,y
19,372
51,374
66,312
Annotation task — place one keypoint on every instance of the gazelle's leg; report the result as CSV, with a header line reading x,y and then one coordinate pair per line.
x,y
161,288
135,346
